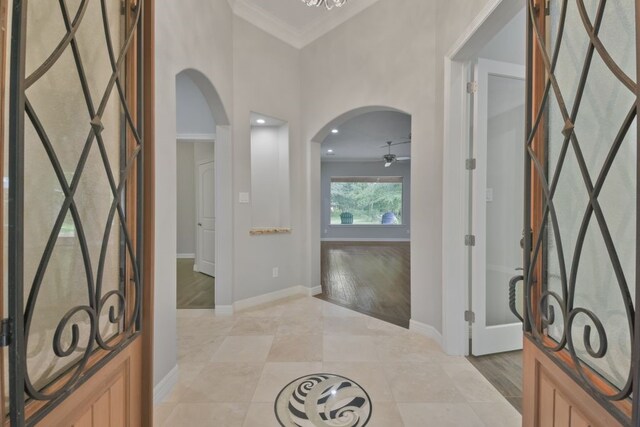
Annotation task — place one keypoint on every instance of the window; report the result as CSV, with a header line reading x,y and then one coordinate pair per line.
x,y
374,200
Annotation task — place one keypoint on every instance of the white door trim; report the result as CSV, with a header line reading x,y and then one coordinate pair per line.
x,y
493,17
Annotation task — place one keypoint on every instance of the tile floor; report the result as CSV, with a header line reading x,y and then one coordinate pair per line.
x,y
231,369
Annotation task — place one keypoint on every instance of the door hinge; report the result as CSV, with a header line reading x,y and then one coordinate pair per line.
x,y
472,87
469,316
5,333
470,164
547,7
469,240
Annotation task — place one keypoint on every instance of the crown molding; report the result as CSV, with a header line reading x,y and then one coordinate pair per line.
x,y
290,34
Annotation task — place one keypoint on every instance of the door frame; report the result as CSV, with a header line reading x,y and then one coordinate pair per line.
x,y
148,200
455,299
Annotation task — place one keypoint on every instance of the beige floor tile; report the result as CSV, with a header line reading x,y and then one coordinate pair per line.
x,y
161,412
379,327
369,375
420,382
261,415
349,348
296,348
220,382
438,415
409,348
230,366
300,325
243,349
197,350
275,376
346,326
385,414
195,326
337,311
207,415
255,326
499,414
471,384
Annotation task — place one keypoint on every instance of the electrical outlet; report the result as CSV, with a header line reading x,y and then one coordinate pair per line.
x,y
276,272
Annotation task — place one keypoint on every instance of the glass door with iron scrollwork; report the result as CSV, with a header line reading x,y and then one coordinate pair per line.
x,y
581,169
74,164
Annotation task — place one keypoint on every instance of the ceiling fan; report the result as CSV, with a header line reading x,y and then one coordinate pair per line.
x,y
389,158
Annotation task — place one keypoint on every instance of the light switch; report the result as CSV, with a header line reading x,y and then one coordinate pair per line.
x,y
243,198
489,194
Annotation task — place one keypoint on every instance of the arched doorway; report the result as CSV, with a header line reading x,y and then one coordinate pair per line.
x,y
362,175
203,194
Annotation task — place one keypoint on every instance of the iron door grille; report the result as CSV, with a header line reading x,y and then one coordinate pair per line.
x,y
122,306
561,308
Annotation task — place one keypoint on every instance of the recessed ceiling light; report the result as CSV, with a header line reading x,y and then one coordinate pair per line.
x,y
261,121
329,151
334,131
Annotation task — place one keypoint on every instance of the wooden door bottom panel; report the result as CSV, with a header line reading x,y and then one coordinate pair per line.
x,y
111,398
552,399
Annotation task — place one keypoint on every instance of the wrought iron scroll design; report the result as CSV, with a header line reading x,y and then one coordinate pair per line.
x,y
537,299
124,304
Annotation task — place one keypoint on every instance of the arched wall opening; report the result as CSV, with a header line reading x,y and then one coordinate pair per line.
x,y
360,158
203,123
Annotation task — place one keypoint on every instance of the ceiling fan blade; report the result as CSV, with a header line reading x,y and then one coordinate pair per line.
x,y
400,159
395,143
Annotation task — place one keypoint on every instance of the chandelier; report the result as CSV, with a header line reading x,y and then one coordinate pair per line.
x,y
329,4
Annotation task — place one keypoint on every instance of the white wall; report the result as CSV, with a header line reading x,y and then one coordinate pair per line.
x,y
206,26
356,65
266,79
186,199
509,45
384,56
194,117
382,232
270,176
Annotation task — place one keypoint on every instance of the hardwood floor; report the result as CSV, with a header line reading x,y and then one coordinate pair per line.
x,y
504,372
195,290
371,278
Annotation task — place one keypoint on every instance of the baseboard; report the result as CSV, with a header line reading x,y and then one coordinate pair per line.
x,y
195,267
270,297
224,310
165,386
362,239
316,290
426,330
186,256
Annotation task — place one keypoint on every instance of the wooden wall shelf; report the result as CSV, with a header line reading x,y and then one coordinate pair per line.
x,y
265,231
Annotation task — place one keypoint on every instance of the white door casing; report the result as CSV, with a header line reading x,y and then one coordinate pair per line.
x,y
206,232
498,135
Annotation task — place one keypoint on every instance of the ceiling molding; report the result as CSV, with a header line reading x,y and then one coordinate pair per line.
x,y
291,35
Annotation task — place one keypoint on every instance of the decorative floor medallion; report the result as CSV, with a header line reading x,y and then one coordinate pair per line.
x,y
321,400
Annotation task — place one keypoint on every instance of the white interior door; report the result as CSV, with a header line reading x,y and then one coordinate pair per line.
x,y
206,254
498,188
